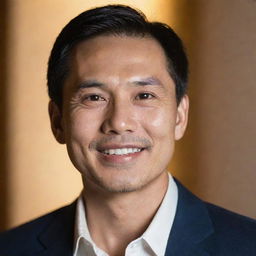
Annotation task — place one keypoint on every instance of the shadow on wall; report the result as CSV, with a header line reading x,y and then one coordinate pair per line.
x,y
216,158
185,164
3,116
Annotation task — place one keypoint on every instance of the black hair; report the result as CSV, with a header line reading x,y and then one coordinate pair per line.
x,y
114,20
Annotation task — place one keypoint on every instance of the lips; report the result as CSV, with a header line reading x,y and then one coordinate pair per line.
x,y
113,150
119,153
115,155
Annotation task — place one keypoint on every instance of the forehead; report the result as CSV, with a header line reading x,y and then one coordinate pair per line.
x,y
115,43
118,58
119,48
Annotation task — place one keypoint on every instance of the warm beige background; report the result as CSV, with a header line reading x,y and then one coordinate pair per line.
x,y
216,158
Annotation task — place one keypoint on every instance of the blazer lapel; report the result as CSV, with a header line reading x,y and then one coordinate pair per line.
x,y
192,231
57,239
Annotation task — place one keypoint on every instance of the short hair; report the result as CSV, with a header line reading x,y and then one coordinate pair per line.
x,y
114,20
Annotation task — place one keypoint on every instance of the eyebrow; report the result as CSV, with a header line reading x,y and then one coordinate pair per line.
x,y
147,81
90,84
138,82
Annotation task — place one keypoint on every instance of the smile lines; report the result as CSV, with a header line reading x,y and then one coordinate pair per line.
x,y
121,151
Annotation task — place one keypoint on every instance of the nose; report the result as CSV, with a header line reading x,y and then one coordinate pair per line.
x,y
120,119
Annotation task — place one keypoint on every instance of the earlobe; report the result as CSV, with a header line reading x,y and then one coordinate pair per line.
x,y
182,117
56,122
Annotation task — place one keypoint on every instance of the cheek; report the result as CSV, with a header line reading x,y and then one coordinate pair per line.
x,y
81,126
160,122
80,130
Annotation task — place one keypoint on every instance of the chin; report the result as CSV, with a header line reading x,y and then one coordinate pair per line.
x,y
118,184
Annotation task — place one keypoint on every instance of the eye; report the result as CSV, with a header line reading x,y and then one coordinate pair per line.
x,y
144,96
93,100
94,97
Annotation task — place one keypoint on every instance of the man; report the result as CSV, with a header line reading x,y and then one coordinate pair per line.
x,y
117,85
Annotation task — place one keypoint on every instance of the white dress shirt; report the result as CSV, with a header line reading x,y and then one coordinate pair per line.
x,y
153,241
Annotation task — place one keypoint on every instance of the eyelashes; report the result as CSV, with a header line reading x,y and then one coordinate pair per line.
x,y
97,97
144,96
102,99
93,97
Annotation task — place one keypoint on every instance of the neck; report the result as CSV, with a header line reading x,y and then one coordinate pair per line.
x,y
116,219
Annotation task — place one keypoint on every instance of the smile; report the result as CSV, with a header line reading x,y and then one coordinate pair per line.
x,y
121,151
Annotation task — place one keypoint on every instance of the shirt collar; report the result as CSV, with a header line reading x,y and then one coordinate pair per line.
x,y
81,228
157,233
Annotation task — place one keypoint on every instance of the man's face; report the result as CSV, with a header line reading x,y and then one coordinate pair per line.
x,y
120,116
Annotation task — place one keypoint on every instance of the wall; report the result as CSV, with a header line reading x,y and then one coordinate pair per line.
x,y
3,117
216,157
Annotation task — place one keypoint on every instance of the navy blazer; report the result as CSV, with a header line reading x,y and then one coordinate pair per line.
x,y
199,229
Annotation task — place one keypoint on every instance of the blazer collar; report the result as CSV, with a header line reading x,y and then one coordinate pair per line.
x,y
191,234
192,231
57,238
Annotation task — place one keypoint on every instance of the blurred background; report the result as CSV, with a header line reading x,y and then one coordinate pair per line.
x,y
216,159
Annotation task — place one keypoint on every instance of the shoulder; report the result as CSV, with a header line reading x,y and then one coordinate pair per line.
x,y
233,230
227,220
26,236
220,231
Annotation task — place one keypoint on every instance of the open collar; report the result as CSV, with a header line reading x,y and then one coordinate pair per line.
x,y
192,231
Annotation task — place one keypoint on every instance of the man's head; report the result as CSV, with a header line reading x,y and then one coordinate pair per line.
x,y
114,20
114,97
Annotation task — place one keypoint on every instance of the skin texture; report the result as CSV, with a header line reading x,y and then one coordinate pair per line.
x,y
119,94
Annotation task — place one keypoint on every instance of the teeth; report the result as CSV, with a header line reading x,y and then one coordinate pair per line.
x,y
121,151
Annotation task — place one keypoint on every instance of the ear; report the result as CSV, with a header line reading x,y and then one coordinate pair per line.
x,y
56,122
182,117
